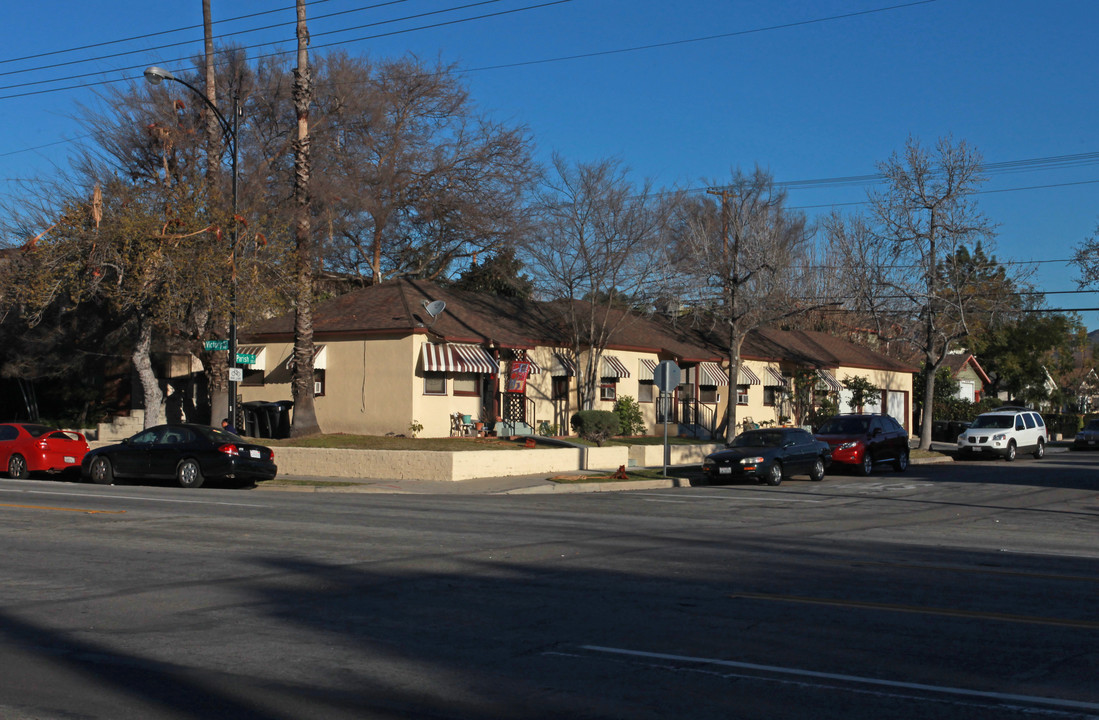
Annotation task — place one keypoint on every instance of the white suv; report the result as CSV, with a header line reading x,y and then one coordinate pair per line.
x,y
1005,431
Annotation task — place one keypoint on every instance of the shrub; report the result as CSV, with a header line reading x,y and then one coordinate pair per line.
x,y
595,425
629,416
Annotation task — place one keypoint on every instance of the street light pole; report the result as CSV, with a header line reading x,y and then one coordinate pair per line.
x,y
155,75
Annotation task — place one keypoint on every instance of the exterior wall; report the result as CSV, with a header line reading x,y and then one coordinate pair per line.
x,y
887,381
368,387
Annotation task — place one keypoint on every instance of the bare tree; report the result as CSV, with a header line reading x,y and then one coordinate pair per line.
x,y
917,279
410,178
743,263
598,250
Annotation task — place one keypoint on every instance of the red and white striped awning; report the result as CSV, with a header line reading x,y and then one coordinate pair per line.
x,y
711,373
645,370
775,378
535,368
459,358
613,367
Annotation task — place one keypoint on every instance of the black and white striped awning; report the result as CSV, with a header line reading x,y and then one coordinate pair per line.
x,y
830,380
459,358
710,373
774,378
562,366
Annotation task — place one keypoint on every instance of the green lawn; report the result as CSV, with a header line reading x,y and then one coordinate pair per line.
x,y
380,442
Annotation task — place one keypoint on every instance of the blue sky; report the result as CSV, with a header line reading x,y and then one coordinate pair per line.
x,y
810,90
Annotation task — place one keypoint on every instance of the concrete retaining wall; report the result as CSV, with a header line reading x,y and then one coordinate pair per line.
x,y
465,465
653,455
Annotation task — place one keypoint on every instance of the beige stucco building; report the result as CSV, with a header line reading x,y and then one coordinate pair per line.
x,y
385,365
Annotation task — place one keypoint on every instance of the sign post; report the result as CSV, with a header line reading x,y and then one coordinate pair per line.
x,y
666,377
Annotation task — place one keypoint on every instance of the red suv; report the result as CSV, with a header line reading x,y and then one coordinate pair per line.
x,y
862,441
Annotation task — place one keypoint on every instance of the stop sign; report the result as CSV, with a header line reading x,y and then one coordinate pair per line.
x,y
666,376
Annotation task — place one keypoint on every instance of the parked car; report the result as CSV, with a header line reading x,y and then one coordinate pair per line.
x,y
1088,437
769,455
188,453
27,448
861,441
1005,432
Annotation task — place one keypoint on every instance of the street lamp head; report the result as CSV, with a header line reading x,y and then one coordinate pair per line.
x,y
155,74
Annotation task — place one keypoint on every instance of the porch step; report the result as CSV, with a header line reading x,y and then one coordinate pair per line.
x,y
512,428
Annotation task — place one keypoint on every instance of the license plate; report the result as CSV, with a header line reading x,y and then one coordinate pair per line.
x,y
253,453
70,460
725,471
977,449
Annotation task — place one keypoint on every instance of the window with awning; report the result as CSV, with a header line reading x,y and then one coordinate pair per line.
x,y
645,370
458,358
259,351
710,373
613,367
830,380
320,358
562,366
774,378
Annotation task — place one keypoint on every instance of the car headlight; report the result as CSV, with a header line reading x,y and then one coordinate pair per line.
x,y
847,445
751,461
999,436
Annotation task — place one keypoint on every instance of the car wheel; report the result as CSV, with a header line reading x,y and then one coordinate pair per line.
x,y
867,465
774,475
17,467
901,463
1040,451
101,471
816,473
189,474
1010,451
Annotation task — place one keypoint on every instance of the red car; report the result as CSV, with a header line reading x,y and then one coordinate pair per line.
x,y
27,448
862,441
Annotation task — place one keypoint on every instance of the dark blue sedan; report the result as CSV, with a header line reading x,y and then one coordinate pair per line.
x,y
768,456
188,453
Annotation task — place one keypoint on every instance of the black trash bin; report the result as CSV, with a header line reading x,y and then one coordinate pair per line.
x,y
957,427
280,418
257,421
940,431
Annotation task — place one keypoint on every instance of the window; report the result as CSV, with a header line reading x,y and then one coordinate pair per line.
x,y
465,384
741,394
561,388
608,390
1028,418
770,396
318,383
707,394
434,383
645,391
252,377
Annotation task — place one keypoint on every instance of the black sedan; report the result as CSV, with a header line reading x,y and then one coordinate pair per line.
x,y
188,453
768,456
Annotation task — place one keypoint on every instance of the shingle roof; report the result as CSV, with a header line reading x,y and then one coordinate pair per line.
x,y
397,307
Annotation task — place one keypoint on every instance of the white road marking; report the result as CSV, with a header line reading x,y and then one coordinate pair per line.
x,y
944,689
127,497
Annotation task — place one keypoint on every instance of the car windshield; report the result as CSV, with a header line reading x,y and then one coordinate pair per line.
x,y
758,439
994,421
1092,426
845,426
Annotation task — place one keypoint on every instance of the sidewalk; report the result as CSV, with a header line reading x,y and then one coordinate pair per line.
x,y
512,485
681,476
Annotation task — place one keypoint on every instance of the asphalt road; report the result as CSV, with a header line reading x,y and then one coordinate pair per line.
x,y
966,590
